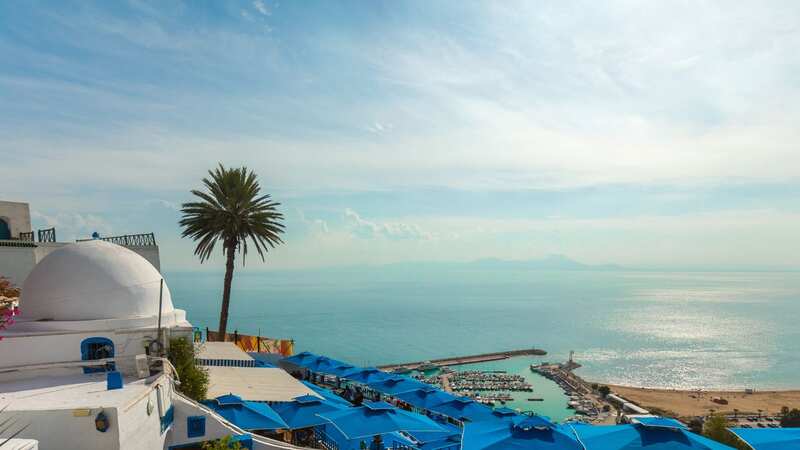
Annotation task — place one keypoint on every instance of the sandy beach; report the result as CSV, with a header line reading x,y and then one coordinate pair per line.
x,y
696,403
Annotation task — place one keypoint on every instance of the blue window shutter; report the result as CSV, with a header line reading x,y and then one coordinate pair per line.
x,y
196,426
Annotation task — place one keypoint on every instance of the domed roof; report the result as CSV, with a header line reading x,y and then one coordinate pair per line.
x,y
92,280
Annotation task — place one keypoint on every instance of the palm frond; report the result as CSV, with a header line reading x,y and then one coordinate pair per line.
x,y
232,211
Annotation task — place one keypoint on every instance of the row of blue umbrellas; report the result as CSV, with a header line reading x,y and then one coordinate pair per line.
x,y
251,416
503,428
407,389
537,432
307,411
642,436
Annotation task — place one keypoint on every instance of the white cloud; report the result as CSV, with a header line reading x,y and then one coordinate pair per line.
x,y
545,96
261,7
71,226
313,226
163,204
365,229
379,127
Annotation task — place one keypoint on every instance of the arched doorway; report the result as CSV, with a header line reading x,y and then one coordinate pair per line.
x,y
5,230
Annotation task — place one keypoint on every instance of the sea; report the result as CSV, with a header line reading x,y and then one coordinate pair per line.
x,y
683,330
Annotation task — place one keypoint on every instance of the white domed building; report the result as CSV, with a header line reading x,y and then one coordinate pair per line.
x,y
82,367
86,294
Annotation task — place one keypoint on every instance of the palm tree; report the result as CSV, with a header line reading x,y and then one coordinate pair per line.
x,y
232,211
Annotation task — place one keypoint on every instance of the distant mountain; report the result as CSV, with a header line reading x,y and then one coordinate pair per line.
x,y
552,262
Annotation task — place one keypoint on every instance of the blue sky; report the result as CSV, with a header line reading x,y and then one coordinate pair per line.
x,y
638,133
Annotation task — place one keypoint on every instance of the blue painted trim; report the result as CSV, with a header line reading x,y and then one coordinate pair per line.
x,y
86,357
168,418
195,426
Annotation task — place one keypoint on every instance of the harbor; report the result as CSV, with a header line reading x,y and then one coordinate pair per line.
x,y
534,393
433,364
474,380
589,406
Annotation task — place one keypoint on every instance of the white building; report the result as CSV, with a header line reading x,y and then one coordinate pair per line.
x,y
90,311
21,248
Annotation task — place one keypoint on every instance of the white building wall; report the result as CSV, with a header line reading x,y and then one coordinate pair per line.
x,y
16,263
31,350
63,347
137,429
18,217
64,430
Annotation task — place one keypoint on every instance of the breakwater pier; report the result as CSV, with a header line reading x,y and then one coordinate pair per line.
x,y
469,359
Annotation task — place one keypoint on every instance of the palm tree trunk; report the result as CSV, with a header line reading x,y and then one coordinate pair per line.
x,y
226,292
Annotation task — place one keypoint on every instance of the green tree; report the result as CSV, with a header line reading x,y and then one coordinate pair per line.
x,y
225,443
696,425
791,419
716,428
604,390
194,379
231,210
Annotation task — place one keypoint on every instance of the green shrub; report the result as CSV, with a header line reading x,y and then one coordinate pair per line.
x,y
194,379
222,444
716,428
790,418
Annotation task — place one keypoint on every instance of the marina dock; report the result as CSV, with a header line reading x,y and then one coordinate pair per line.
x,y
470,359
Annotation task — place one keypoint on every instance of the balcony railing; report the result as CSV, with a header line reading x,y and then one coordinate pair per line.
x,y
48,235
16,243
129,240
28,240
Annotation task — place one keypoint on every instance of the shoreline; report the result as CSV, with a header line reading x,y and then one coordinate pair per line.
x,y
701,402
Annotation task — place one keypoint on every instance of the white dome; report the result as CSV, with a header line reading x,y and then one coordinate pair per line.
x,y
92,280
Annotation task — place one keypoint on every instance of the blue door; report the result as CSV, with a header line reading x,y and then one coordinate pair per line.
x,y
5,230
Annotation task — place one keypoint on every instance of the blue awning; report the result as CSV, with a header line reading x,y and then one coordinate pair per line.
x,y
323,364
504,411
229,399
529,433
463,408
341,369
769,438
425,397
377,418
634,437
448,431
327,394
251,416
396,384
365,375
300,358
526,422
659,422
303,411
